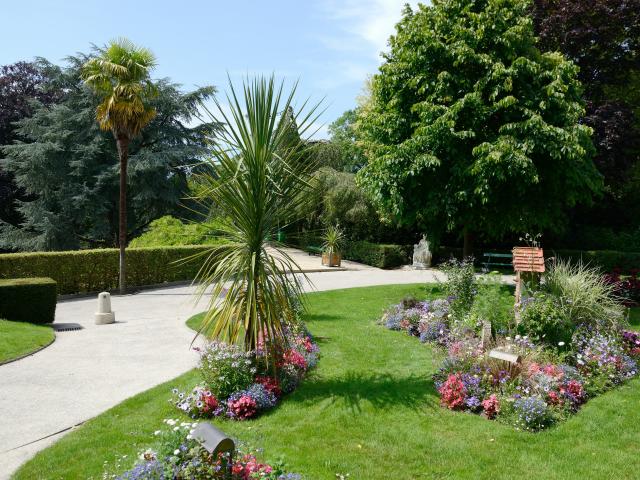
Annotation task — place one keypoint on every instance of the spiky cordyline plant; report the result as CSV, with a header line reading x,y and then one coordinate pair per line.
x,y
256,181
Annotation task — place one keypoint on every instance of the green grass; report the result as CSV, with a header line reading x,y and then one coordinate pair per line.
x,y
18,339
370,409
634,318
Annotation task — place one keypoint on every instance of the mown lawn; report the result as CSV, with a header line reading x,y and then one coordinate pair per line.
x,y
370,409
18,339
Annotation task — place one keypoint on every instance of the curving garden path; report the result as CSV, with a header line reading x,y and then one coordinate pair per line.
x,y
85,372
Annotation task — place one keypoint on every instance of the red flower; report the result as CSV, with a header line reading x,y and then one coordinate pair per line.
x,y
270,384
295,358
554,398
491,406
243,408
453,392
209,400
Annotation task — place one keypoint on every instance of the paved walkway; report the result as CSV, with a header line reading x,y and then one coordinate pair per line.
x,y
85,372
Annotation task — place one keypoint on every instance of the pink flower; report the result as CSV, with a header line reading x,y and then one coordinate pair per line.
x,y
243,408
295,358
453,392
491,406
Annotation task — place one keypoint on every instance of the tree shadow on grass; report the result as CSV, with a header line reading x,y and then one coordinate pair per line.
x,y
381,390
321,317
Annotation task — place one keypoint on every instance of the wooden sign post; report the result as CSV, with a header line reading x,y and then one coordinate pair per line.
x,y
528,263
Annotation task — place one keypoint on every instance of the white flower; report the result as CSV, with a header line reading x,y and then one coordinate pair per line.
x,y
189,437
176,451
561,344
157,432
175,429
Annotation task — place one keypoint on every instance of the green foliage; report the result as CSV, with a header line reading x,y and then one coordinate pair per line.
x,y
68,168
492,305
120,76
333,240
169,230
257,182
30,300
605,260
97,270
226,369
584,295
460,286
376,254
545,321
469,125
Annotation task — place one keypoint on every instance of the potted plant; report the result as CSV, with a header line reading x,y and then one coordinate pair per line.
x,y
332,243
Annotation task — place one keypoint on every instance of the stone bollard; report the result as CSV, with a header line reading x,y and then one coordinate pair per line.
x,y
104,315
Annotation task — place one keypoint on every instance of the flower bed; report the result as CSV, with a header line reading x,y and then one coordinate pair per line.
x,y
550,382
241,385
177,454
627,287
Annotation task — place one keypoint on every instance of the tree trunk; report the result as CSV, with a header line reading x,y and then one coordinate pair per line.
x,y
467,249
123,154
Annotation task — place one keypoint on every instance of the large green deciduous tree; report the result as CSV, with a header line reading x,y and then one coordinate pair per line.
x,y
120,76
69,168
469,126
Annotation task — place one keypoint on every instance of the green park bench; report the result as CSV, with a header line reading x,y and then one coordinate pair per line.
x,y
313,250
492,260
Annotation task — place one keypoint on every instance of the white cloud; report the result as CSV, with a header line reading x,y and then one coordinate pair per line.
x,y
365,24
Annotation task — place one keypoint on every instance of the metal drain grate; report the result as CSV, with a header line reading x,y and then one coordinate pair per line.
x,y
66,327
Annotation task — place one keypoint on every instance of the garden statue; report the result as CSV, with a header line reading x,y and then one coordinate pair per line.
x,y
421,254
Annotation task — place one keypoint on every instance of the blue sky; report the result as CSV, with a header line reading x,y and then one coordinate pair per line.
x,y
331,46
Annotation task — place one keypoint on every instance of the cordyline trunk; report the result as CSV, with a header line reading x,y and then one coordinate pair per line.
x,y
467,249
123,155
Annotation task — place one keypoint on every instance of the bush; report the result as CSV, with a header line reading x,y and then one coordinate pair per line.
x,y
377,255
30,300
168,230
460,286
97,270
544,320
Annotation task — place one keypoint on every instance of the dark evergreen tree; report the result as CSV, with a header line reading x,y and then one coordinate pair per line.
x,y
22,85
70,168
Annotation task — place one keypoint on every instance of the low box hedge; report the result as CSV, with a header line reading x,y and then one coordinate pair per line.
x,y
378,255
30,300
83,271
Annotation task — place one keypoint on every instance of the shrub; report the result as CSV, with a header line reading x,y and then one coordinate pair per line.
x,y
377,255
226,369
544,320
168,230
30,300
97,270
491,304
460,286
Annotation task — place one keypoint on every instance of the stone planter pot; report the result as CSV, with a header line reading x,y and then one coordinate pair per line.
x,y
331,260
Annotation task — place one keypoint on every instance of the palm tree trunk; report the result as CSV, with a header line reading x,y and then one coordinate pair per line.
x,y
123,154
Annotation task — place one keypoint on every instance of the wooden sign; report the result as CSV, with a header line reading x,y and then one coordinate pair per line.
x,y
506,356
528,259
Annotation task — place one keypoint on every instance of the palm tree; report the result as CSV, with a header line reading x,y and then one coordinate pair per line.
x,y
257,181
120,77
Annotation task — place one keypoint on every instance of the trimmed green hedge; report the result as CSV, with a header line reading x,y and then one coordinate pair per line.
x,y
378,255
606,260
30,300
82,271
